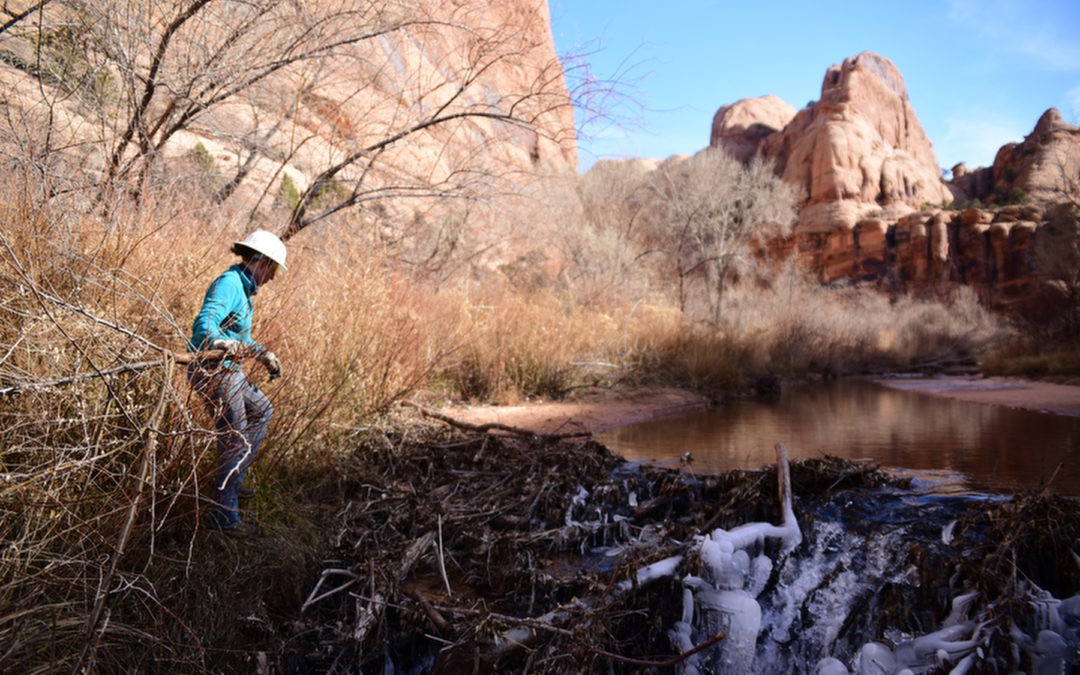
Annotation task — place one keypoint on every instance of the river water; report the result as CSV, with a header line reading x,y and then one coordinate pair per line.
x,y
957,445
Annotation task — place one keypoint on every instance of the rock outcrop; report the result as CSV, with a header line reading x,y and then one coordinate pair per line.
x,y
1044,167
740,127
858,149
933,251
875,208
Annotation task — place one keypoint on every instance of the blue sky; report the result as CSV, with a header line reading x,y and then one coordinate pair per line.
x,y
979,72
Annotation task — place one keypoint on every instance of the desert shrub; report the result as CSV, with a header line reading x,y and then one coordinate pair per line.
x,y
288,192
524,345
603,267
1024,357
807,328
663,345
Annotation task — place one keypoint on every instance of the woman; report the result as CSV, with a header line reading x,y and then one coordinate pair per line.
x,y
241,411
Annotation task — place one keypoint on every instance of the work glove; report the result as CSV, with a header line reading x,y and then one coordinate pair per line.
x,y
273,366
232,348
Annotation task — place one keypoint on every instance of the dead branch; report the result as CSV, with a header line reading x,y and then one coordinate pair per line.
x,y
670,662
442,626
412,556
139,366
313,598
98,617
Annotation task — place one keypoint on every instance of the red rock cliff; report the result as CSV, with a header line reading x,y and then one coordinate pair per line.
x,y
857,150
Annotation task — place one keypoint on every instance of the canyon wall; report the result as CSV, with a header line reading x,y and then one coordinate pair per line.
x,y
426,113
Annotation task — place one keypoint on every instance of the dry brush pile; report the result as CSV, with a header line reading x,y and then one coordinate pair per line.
x,y
475,549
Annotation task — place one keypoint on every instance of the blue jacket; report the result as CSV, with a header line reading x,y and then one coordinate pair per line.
x,y
226,311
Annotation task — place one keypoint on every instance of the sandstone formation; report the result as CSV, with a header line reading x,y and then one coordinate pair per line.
x,y
934,251
740,127
1045,166
875,208
380,78
990,249
858,149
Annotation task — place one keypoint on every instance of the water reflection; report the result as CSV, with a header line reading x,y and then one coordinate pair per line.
x,y
995,448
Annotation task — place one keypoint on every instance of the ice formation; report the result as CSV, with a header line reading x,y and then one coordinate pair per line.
x,y
723,597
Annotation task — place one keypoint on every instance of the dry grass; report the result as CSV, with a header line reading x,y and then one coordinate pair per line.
x,y
101,481
805,328
523,345
1024,359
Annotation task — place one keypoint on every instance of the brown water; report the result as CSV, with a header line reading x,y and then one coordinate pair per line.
x,y
951,443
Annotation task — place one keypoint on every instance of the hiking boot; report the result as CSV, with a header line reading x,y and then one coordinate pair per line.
x,y
245,492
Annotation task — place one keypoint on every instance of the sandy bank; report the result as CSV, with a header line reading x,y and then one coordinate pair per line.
x,y
595,413
1058,399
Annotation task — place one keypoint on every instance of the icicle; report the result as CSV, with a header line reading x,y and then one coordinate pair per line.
x,y
965,665
944,645
1050,655
760,570
960,606
578,500
724,603
947,533
657,570
681,634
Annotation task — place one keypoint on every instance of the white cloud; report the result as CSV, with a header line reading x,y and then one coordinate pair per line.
x,y
1045,30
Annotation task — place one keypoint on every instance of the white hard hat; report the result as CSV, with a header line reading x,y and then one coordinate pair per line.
x,y
265,243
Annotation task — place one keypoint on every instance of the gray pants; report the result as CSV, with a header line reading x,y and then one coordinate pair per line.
x,y
242,415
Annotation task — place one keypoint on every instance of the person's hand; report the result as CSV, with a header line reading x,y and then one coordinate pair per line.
x,y
273,366
232,348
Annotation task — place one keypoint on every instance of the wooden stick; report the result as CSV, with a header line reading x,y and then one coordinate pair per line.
x,y
98,617
783,476
174,357
442,561
437,620
670,662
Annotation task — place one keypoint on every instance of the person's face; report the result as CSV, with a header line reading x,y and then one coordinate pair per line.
x,y
264,270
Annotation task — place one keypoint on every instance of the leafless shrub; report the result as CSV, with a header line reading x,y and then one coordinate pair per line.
x,y
838,331
708,212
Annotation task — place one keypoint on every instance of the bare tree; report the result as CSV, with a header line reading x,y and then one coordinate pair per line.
x,y
604,255
361,84
709,210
